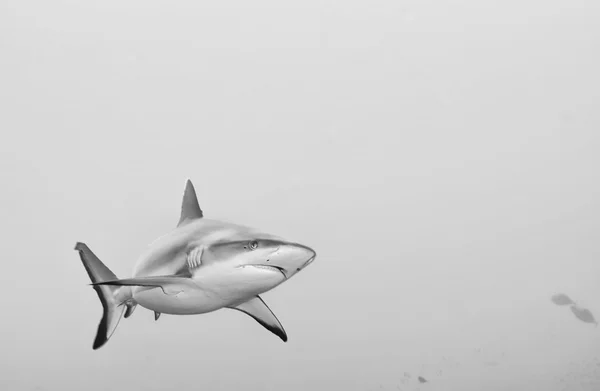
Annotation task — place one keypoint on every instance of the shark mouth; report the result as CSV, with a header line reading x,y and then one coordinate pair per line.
x,y
269,267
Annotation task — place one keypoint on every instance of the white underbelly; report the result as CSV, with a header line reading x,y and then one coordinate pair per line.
x,y
189,301
213,288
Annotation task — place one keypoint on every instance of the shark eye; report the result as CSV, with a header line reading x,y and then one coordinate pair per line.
x,y
253,245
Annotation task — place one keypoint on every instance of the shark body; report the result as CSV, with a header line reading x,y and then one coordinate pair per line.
x,y
201,266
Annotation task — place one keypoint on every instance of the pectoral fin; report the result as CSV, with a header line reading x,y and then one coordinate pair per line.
x,y
258,310
169,285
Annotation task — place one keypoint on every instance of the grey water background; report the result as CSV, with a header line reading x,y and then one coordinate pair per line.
x,y
440,156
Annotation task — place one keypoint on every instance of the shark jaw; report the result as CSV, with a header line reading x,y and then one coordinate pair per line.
x,y
277,269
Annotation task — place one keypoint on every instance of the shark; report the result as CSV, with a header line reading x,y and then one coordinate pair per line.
x,y
200,266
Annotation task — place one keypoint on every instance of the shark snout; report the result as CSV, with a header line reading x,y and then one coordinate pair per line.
x,y
309,255
308,262
292,257
305,256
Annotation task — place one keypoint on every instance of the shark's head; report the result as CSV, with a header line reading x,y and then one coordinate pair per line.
x,y
265,255
237,257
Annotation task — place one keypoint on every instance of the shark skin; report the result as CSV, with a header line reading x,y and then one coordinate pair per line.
x,y
201,266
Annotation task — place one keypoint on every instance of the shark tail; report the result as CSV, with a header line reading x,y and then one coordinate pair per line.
x,y
115,299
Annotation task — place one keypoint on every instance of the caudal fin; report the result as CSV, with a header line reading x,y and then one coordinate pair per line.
x,y
111,297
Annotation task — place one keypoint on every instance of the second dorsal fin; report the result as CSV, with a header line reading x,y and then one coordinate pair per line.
x,y
190,210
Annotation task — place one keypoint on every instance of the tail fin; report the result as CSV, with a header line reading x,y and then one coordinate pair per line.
x,y
111,297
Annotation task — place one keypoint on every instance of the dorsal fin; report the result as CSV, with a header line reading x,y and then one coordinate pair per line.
x,y
190,210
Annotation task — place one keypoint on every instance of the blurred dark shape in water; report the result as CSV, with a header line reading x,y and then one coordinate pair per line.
x,y
562,299
422,379
583,314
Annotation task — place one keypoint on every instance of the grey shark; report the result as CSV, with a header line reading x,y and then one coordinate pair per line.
x,y
201,266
